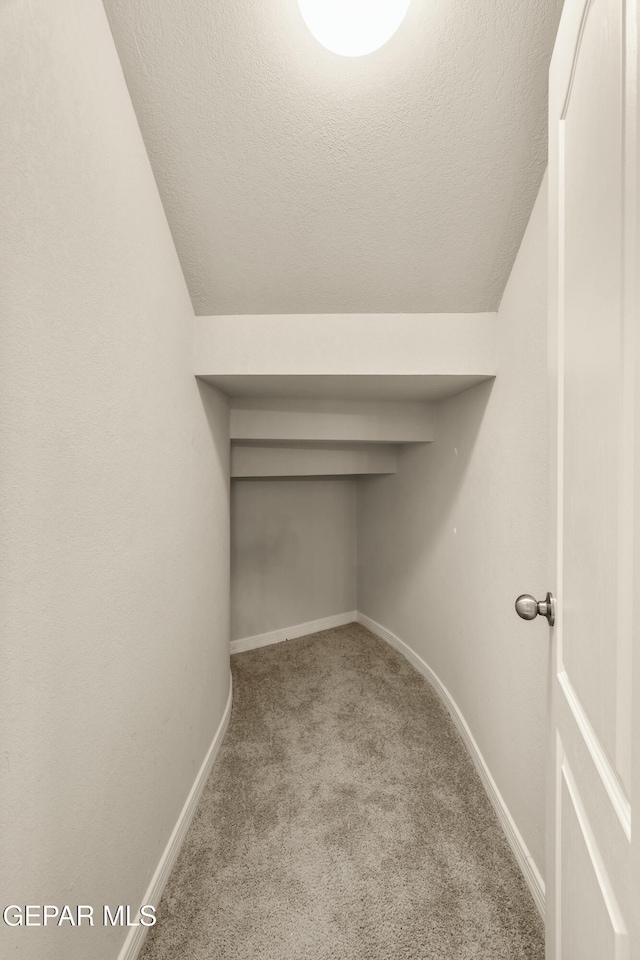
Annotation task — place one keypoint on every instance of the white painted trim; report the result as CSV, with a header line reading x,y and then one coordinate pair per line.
x,y
514,837
290,633
135,938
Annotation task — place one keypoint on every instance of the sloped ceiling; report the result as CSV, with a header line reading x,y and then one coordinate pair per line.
x,y
298,181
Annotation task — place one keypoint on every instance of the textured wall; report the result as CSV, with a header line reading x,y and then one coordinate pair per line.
x,y
297,181
447,544
293,552
113,492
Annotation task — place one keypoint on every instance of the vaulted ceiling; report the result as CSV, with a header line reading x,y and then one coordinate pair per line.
x,y
298,181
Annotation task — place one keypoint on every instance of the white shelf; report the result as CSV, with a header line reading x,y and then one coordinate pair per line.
x,y
334,394
311,460
346,356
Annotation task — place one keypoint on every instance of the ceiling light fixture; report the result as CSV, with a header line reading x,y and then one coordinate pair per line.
x,y
353,28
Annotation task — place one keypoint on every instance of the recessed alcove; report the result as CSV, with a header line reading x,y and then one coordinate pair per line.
x,y
334,394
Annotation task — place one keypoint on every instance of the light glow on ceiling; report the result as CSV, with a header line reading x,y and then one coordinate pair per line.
x,y
353,28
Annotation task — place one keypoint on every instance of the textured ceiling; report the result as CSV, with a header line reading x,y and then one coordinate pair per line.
x,y
298,181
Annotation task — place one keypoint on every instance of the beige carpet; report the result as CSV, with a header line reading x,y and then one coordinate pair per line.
x,y
343,819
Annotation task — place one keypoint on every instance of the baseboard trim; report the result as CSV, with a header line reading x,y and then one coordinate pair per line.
x,y
135,938
290,633
514,837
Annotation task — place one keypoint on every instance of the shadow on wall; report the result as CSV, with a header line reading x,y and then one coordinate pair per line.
x,y
433,475
293,552
218,427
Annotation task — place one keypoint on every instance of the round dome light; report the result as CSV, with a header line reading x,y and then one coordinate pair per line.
x,y
353,28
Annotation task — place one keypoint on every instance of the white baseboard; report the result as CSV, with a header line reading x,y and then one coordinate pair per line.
x,y
290,633
514,837
135,938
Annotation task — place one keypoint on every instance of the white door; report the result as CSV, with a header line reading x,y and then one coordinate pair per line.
x,y
593,868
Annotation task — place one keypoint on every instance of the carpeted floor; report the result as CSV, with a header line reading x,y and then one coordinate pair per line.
x,y
343,820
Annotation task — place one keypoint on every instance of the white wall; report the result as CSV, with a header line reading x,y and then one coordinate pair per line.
x,y
114,492
447,544
293,552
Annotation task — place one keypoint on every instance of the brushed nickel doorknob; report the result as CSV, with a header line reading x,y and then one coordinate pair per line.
x,y
529,608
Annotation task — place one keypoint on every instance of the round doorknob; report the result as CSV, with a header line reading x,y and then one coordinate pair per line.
x,y
529,608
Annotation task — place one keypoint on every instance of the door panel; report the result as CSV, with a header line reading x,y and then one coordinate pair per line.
x,y
592,924
590,146
592,902
603,794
